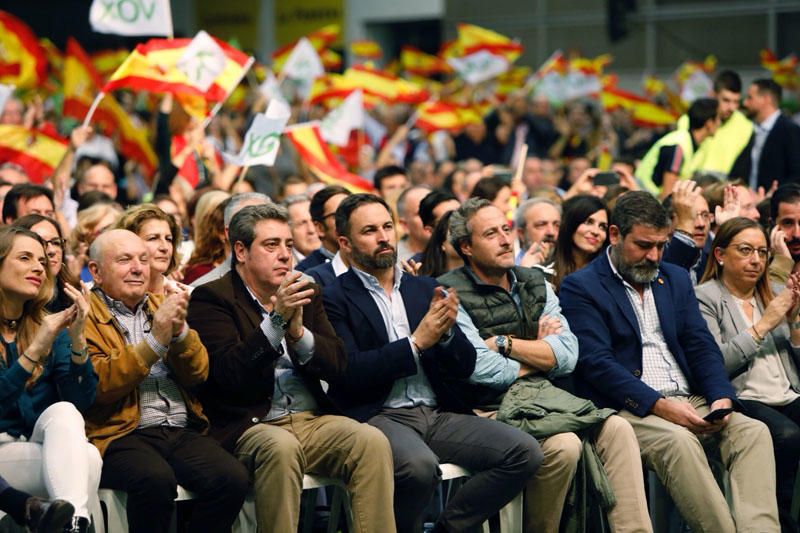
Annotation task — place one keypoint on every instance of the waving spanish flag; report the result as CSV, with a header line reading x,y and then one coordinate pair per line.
x,y
366,49
152,66
320,40
81,83
473,38
23,62
645,113
784,71
314,152
34,150
415,61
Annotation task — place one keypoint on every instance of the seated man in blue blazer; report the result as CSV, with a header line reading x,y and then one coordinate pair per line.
x,y
646,350
404,349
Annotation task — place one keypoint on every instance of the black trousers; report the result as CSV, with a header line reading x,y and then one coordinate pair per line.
x,y
150,463
501,458
784,426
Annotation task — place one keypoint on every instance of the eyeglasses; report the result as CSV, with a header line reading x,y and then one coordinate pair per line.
x,y
57,242
705,215
745,250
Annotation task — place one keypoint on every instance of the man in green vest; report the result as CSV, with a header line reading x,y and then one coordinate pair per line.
x,y
670,157
720,152
513,319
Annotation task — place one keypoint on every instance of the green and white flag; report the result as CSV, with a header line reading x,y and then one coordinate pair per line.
x,y
131,17
262,140
337,125
202,61
479,66
303,63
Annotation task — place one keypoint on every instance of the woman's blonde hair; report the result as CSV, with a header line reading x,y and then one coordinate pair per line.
x,y
33,311
88,219
134,218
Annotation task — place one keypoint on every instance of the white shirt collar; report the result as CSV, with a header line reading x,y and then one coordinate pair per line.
x,y
770,121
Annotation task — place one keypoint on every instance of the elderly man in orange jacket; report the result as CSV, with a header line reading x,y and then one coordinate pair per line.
x,y
146,422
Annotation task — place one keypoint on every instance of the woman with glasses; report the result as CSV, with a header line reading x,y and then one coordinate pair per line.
x,y
50,232
757,328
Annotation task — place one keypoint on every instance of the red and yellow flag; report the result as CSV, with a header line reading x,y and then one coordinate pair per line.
x,y
107,61
152,67
416,62
314,152
81,83
784,71
331,60
54,56
320,39
645,113
34,150
23,62
473,38
366,49
437,116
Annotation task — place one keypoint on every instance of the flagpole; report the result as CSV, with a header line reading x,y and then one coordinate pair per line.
x,y
218,105
171,34
93,107
240,177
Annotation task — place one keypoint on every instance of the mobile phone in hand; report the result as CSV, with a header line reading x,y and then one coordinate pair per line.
x,y
718,414
606,178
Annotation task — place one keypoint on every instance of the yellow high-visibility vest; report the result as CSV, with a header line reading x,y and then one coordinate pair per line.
x,y
644,173
719,153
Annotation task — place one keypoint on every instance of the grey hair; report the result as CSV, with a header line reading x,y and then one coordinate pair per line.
x,y
239,199
460,230
522,210
401,200
289,201
243,225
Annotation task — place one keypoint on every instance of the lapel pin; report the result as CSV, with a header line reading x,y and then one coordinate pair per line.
x,y
661,281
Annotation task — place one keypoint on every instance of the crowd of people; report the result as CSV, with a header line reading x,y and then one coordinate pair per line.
x,y
498,302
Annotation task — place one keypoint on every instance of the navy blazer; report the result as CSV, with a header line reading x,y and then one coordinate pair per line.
x,y
609,366
323,274
780,156
374,363
313,259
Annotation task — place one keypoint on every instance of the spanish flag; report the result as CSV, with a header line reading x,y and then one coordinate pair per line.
x,y
81,83
473,38
383,85
645,113
152,67
107,61
23,62
314,152
34,150
331,60
415,61
320,39
54,56
784,71
366,49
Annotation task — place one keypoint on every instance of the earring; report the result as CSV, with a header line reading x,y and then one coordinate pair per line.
x,y
720,263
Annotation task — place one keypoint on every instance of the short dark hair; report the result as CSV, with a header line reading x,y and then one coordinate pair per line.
x,y
638,207
350,204
23,191
728,80
429,203
317,207
701,111
384,172
243,224
785,194
90,198
766,85
488,188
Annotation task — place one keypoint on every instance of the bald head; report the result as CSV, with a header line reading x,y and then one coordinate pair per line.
x,y
120,266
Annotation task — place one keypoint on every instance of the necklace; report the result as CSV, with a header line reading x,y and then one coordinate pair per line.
x,y
11,324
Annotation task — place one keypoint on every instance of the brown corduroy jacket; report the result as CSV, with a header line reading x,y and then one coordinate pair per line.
x,y
121,367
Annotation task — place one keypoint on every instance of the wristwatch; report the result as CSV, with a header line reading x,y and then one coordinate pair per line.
x,y
278,321
502,344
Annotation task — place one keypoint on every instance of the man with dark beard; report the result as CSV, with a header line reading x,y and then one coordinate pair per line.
x,y
785,214
403,351
646,350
